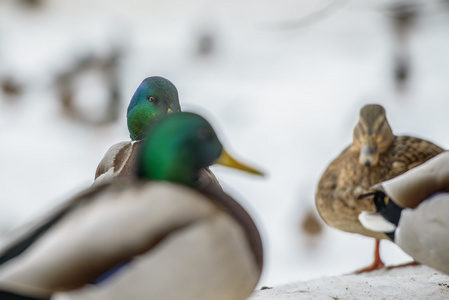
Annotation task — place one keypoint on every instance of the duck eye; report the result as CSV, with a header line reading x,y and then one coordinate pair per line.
x,y
151,99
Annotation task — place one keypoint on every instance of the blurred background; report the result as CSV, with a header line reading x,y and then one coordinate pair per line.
x,y
282,81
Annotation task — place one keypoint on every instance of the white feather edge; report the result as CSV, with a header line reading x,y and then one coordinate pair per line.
x,y
375,222
109,175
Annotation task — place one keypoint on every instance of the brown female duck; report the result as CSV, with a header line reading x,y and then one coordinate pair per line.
x,y
375,155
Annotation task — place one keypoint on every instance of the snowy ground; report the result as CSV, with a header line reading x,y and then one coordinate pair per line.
x,y
285,100
418,282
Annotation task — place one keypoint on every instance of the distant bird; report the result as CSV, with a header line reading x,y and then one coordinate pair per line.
x,y
165,235
375,155
413,209
153,99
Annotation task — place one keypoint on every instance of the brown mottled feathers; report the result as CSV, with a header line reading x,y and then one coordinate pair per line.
x,y
346,178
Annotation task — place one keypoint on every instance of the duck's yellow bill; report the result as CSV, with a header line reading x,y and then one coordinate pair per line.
x,y
227,160
170,111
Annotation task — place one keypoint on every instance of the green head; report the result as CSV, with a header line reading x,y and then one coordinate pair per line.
x,y
151,102
179,146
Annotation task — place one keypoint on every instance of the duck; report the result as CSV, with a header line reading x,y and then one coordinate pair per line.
x,y
375,155
163,235
154,98
412,210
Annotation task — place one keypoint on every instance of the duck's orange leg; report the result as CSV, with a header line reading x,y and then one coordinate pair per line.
x,y
377,263
412,263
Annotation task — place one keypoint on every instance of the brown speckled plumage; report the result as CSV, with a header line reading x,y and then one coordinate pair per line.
x,y
346,177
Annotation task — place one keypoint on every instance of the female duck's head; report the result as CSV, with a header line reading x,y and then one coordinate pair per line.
x,y
372,134
153,99
179,146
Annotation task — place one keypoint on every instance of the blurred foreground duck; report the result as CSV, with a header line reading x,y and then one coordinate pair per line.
x,y
413,210
165,235
153,99
375,155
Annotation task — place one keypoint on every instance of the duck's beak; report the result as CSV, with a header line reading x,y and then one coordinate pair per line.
x,y
227,160
174,108
369,154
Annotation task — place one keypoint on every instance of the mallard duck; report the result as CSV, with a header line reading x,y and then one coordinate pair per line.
x,y
375,155
413,209
153,99
164,235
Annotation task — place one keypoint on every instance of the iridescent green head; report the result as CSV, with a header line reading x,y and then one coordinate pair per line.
x,y
179,146
151,102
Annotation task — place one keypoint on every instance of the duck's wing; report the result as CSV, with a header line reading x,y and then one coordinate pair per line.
x,y
422,232
407,153
232,207
117,225
416,185
409,190
206,178
120,159
200,252
18,240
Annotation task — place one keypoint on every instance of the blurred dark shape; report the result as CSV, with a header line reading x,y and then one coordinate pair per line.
x,y
401,71
309,19
32,3
402,16
108,67
311,229
404,13
11,89
206,44
311,225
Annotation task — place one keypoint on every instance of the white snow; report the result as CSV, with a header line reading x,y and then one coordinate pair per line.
x,y
283,100
417,282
